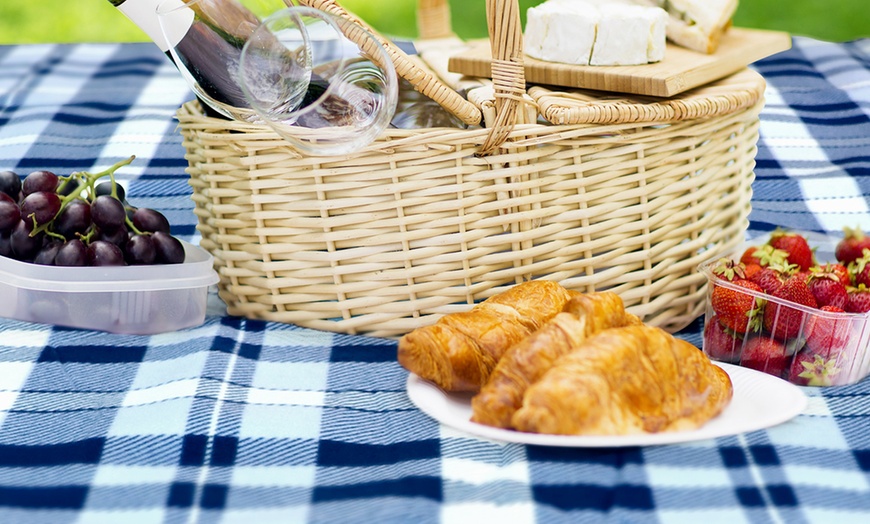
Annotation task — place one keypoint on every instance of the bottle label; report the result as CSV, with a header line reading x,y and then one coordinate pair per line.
x,y
175,21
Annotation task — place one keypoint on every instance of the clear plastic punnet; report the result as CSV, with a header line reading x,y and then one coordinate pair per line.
x,y
819,348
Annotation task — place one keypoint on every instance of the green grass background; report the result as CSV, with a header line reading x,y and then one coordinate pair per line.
x,y
97,21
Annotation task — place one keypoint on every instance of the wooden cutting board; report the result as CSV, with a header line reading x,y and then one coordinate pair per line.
x,y
681,69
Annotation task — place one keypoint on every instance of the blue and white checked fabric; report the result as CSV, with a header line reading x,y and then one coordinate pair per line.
x,y
813,159
248,421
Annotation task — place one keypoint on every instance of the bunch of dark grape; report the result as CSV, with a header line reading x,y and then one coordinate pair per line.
x,y
82,219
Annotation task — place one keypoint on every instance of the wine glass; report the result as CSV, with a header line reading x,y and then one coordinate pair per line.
x,y
323,83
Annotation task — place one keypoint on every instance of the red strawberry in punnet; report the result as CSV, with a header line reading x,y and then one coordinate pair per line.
x,y
828,335
859,269
738,310
763,255
797,247
859,300
810,369
839,270
748,256
721,343
750,270
783,321
770,279
729,270
828,290
852,245
765,354
803,275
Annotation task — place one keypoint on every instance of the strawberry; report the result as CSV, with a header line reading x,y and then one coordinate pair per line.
x,y
738,310
748,256
859,300
769,278
783,321
804,275
720,343
810,369
729,270
764,354
841,271
750,270
797,247
763,255
828,290
828,335
852,245
860,270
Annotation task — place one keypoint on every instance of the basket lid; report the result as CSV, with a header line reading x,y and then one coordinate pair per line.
x,y
580,106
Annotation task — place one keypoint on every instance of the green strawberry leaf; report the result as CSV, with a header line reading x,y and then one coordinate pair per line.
x,y
819,372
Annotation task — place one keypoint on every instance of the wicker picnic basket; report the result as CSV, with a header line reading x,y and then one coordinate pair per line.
x,y
621,193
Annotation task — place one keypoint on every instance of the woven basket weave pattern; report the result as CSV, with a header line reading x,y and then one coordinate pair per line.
x,y
418,226
622,194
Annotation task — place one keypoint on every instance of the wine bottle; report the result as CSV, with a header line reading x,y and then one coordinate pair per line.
x,y
205,41
207,54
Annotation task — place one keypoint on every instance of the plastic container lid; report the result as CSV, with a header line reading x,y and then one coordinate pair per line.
x,y
196,271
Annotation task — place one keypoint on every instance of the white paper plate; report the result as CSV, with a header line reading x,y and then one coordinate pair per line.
x,y
760,401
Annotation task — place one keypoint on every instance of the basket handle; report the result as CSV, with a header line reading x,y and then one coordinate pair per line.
x,y
422,79
508,72
506,40
508,75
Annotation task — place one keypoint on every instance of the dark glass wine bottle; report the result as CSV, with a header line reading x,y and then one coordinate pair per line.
x,y
209,52
206,55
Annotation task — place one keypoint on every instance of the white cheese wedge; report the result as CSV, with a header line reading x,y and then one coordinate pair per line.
x,y
560,31
595,32
658,35
629,35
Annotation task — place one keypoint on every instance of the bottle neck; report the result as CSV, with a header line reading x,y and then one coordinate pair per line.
x,y
143,13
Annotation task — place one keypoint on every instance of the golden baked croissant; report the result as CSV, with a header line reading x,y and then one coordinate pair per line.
x,y
635,379
527,361
460,350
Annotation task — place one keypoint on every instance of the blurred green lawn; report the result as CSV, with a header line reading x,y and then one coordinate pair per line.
x,y
98,21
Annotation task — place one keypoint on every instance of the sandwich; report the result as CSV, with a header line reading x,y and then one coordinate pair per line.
x,y
696,24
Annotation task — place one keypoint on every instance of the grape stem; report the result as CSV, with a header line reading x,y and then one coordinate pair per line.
x,y
91,179
133,228
88,183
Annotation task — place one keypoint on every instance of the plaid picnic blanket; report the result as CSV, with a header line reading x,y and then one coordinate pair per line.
x,y
248,421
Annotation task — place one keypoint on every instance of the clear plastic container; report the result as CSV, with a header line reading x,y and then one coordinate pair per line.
x,y
824,349
141,300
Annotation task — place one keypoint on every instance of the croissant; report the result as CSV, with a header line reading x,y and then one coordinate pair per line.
x,y
460,350
525,362
635,379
